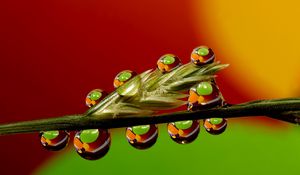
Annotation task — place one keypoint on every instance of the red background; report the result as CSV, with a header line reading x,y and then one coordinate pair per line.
x,y
54,52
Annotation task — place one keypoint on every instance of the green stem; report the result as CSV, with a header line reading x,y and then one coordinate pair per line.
x,y
281,109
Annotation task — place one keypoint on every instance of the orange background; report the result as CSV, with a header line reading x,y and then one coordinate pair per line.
x,y
53,52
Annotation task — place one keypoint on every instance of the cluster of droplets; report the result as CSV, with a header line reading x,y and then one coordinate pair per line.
x,y
93,144
205,94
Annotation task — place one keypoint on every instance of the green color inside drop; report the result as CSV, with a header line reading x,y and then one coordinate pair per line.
x,y
203,51
216,121
95,95
140,130
168,60
50,134
124,76
204,88
184,124
89,135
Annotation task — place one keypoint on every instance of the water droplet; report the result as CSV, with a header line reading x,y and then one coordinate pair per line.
x,y
197,101
54,140
147,138
180,133
123,77
96,145
202,55
168,62
215,126
94,97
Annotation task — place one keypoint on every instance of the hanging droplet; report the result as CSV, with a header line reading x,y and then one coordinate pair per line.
x,y
168,62
94,97
202,55
142,137
205,95
92,144
215,126
184,132
54,140
123,77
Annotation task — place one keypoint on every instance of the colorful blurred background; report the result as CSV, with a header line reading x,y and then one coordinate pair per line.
x,y
54,52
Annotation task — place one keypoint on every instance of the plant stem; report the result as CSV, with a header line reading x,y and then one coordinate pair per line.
x,y
282,109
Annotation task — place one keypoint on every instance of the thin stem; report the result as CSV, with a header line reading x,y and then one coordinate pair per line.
x,y
290,117
281,109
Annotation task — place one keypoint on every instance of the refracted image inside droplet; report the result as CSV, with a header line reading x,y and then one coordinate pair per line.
x,y
215,126
168,62
54,140
92,144
94,97
202,55
123,77
184,132
142,137
205,95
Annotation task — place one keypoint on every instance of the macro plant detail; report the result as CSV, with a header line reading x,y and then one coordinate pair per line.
x,y
140,137
92,144
138,98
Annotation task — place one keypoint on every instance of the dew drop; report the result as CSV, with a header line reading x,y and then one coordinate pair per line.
x,y
142,137
184,132
202,55
168,62
92,144
94,97
204,95
123,77
54,140
215,126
